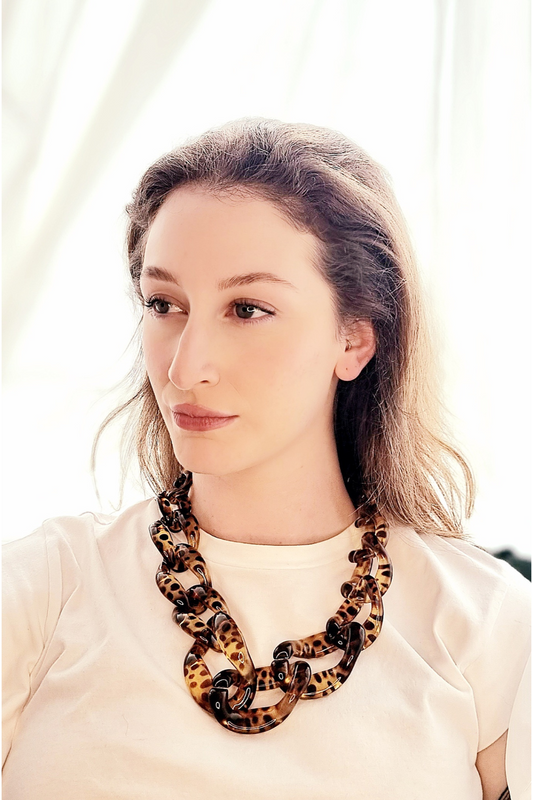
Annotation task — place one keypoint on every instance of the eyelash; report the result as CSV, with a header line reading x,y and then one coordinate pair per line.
x,y
151,302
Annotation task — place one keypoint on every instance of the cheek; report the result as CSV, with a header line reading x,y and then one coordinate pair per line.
x,y
269,361
156,359
295,365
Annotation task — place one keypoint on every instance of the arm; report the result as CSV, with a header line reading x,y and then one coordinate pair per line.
x,y
490,764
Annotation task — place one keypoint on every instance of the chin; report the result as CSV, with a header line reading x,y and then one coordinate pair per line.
x,y
203,460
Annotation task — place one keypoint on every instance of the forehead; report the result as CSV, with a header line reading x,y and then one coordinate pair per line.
x,y
194,225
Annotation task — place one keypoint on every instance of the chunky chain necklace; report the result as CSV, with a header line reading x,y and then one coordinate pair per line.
x,y
221,633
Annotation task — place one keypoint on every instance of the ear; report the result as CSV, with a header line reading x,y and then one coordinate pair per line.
x,y
359,347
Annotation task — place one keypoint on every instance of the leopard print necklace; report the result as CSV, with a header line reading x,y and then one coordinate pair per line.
x,y
221,633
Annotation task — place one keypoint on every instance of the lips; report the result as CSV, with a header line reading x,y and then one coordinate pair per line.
x,y
199,418
198,411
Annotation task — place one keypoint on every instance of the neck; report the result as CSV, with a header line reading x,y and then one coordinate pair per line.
x,y
302,501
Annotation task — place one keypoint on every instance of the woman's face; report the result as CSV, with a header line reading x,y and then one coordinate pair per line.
x,y
221,334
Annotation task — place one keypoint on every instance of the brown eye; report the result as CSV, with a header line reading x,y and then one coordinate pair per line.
x,y
161,306
248,310
157,306
245,310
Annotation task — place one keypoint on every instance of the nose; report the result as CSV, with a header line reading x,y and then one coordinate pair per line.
x,y
194,359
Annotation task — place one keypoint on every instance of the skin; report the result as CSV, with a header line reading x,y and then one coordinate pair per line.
x,y
278,374
272,476
490,764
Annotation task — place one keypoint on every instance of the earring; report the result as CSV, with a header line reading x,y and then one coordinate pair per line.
x,y
349,345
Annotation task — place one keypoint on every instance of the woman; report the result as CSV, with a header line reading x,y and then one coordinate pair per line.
x,y
288,398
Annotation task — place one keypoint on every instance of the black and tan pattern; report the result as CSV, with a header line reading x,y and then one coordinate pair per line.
x,y
257,720
197,676
325,682
221,633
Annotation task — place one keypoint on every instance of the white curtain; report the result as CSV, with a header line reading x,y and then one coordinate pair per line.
x,y
437,90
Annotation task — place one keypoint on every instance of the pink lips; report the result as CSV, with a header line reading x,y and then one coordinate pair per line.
x,y
197,411
199,418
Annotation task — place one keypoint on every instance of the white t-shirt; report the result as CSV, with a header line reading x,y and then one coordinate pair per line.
x,y
96,705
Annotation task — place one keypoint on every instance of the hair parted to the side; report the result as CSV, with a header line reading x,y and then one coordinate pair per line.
x,y
388,422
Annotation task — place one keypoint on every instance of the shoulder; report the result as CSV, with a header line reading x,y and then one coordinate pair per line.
x,y
465,593
42,570
66,545
468,614
457,566
98,525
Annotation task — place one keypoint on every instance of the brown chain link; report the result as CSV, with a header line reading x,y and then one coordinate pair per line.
x,y
221,633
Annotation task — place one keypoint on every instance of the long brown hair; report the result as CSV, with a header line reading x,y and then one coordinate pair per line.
x,y
388,423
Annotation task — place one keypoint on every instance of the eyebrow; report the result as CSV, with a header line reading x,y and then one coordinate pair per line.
x,y
161,274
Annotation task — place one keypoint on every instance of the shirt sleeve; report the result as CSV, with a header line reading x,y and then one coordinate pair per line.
x,y
29,611
518,754
497,671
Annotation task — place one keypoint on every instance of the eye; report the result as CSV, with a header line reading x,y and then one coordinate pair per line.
x,y
159,307
248,308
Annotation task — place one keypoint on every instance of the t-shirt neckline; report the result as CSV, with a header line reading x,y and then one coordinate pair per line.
x,y
268,556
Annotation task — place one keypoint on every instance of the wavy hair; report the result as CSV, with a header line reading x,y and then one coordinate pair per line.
x,y
388,422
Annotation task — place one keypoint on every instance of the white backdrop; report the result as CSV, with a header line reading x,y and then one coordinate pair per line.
x,y
437,90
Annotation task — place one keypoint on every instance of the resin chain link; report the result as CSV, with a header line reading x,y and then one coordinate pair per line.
x,y
221,633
